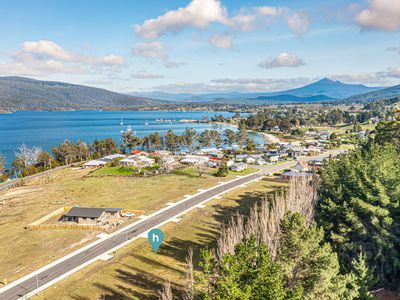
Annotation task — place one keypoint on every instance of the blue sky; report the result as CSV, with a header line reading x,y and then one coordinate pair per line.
x,y
201,45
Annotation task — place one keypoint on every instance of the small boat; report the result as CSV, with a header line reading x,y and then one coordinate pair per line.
x,y
146,123
129,128
122,122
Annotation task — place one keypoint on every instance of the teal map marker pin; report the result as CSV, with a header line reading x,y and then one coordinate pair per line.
x,y
156,237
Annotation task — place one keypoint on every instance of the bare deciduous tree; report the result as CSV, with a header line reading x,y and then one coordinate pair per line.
x,y
264,219
189,283
166,292
201,169
2,164
28,156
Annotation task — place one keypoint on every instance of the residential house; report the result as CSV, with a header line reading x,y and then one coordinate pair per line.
x,y
261,162
128,162
94,164
273,159
275,129
313,150
92,216
168,160
302,166
194,160
138,153
110,158
316,164
85,215
240,157
293,173
230,162
294,151
250,160
238,167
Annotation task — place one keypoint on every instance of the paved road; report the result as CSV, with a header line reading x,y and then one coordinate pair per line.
x,y
56,271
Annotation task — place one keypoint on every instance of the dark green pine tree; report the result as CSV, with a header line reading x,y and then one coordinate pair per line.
x,y
309,262
249,273
359,209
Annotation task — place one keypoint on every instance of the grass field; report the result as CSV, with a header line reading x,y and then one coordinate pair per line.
x,y
118,171
22,251
137,273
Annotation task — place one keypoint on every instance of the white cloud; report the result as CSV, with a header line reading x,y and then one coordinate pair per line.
x,y
113,60
221,41
380,15
47,57
257,17
299,22
282,60
98,82
155,51
47,49
392,72
146,75
237,85
150,50
197,14
395,49
382,78
271,10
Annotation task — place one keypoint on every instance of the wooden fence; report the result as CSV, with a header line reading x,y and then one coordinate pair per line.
x,y
66,226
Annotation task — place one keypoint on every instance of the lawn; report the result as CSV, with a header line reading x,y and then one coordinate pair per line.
x,y
137,273
70,187
117,171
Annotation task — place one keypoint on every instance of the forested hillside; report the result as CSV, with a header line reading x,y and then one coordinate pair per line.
x,y
19,93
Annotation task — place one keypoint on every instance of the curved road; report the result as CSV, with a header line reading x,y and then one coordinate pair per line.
x,y
50,274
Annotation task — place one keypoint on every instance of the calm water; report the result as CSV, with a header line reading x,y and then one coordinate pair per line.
x,y
46,129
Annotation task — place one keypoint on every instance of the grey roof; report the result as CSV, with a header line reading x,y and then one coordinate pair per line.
x,y
293,173
85,212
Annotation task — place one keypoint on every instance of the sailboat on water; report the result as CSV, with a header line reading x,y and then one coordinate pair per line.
x,y
146,123
122,122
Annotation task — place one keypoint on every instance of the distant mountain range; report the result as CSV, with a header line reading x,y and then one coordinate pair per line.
x,y
322,90
20,93
386,93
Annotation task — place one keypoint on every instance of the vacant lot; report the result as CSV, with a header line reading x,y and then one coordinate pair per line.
x,y
22,251
137,273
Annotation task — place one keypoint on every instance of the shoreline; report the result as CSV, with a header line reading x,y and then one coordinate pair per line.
x,y
268,137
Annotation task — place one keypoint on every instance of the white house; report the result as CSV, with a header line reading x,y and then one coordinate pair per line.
x,y
229,163
250,160
238,167
94,164
128,162
273,158
261,162
168,160
194,160
110,158
241,157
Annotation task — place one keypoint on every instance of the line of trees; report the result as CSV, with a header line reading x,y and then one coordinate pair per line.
x,y
32,160
29,161
189,139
